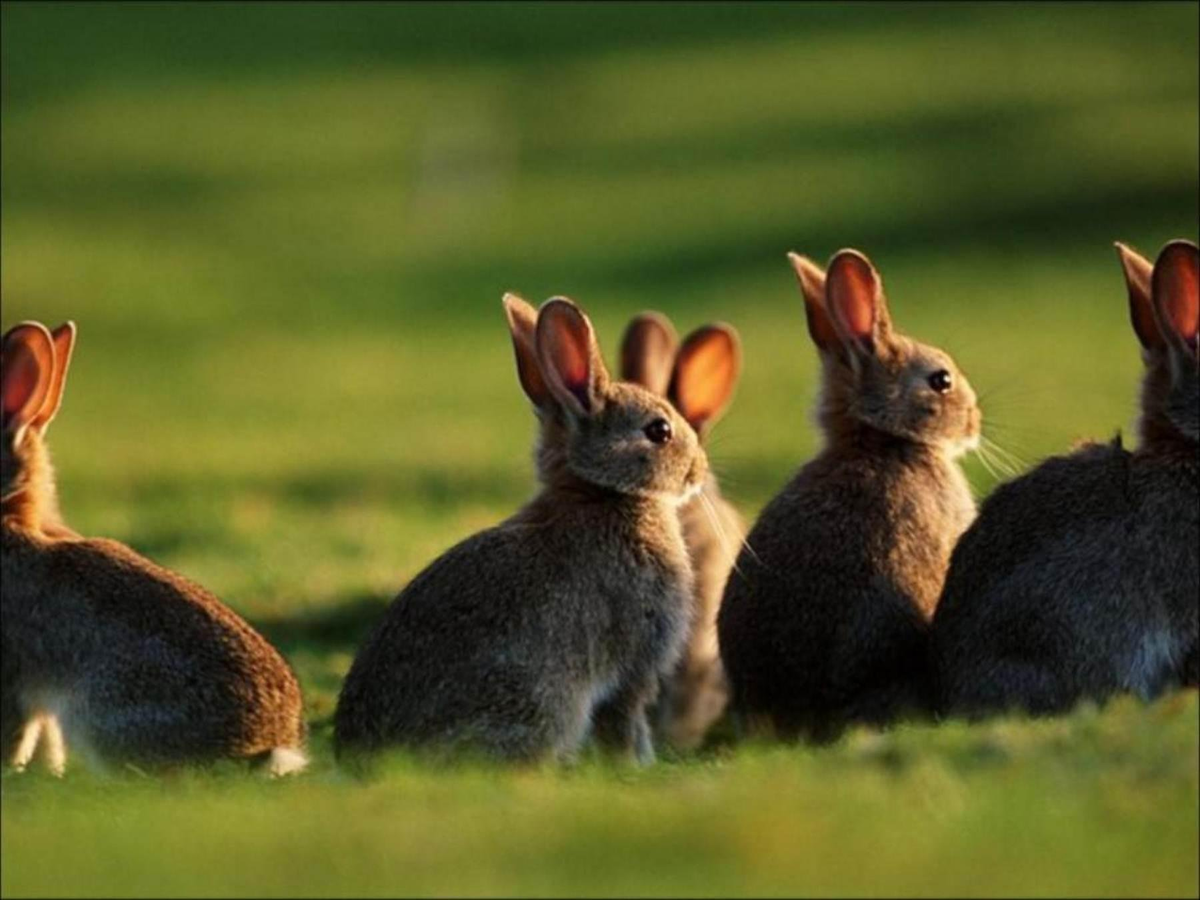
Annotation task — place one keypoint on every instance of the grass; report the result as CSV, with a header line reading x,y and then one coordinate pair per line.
x,y
1096,805
284,234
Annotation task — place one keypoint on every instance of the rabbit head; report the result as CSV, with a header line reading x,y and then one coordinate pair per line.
x,y
608,434
876,379
1164,308
33,372
698,377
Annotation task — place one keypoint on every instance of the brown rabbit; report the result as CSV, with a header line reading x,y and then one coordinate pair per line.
x,y
825,620
557,623
105,652
699,380
1081,578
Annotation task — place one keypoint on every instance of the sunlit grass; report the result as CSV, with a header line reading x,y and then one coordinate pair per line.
x,y
1008,809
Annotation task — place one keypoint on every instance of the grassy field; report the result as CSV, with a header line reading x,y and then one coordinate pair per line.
x,y
284,234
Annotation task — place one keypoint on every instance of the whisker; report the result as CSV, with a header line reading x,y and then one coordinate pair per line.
x,y
1005,466
1014,460
722,537
711,511
986,463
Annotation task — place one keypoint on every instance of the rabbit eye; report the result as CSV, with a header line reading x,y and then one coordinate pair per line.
x,y
941,381
658,431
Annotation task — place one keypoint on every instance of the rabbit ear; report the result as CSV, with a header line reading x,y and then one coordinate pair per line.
x,y
64,344
1141,311
812,286
648,351
706,372
570,357
522,324
854,298
1175,286
26,373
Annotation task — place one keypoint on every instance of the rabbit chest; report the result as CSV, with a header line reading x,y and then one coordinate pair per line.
x,y
928,509
651,610
647,606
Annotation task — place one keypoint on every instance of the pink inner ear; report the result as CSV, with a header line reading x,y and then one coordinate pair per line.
x,y
1184,307
820,329
565,340
851,290
1177,291
574,372
18,383
1144,326
705,375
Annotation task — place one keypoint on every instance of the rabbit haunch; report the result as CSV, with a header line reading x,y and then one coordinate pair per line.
x,y
1081,578
557,623
825,620
103,651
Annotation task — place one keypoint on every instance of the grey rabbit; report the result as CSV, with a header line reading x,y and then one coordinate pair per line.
x,y
824,622
555,625
699,378
1081,578
105,652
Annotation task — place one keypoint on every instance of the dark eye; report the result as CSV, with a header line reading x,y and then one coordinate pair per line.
x,y
941,381
658,431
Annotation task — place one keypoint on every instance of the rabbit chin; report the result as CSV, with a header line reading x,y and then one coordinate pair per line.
x,y
962,446
691,492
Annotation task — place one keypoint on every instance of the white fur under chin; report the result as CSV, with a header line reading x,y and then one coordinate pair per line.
x,y
963,447
689,494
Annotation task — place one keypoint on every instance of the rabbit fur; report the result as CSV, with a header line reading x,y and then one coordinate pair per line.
x,y
824,622
1081,578
555,625
698,378
104,651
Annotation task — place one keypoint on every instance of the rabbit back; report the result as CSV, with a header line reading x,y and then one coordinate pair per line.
x,y
512,640
825,620
138,663
1063,589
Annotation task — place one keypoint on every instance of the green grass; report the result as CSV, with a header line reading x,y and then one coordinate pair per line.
x,y
1097,805
284,234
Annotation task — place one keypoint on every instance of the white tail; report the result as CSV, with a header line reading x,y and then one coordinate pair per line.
x,y
284,761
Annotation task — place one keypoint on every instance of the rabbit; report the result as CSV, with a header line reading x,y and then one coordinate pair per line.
x,y
699,379
104,651
553,627
1081,578
824,622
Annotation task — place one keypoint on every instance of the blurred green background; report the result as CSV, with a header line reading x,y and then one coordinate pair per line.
x,y
284,232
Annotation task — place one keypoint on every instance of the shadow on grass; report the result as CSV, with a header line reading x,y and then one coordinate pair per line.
x,y
56,48
1085,220
340,627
